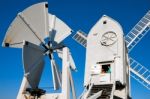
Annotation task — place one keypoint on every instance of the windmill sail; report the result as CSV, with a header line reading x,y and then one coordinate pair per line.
x,y
138,31
28,23
58,29
33,62
140,73
80,37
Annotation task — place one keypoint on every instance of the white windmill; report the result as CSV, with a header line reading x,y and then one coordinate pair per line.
x,y
40,34
137,71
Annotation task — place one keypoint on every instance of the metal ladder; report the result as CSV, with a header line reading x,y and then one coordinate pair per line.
x,y
138,31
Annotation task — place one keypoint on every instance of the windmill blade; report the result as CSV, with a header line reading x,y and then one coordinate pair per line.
x,y
58,29
138,32
140,73
55,74
81,38
72,85
30,25
33,61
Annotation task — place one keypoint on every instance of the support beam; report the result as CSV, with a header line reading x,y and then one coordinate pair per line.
x,y
24,85
65,75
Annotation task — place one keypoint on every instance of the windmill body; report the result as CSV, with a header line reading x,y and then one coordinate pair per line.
x,y
137,71
105,46
106,67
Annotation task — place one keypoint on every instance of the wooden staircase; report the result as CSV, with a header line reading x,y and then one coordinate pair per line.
x,y
106,90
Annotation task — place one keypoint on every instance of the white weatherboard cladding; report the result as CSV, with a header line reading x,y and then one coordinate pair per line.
x,y
96,52
59,29
33,20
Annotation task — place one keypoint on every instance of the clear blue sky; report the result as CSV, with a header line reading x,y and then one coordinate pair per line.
x,y
78,14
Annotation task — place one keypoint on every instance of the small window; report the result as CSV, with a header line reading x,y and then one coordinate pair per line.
x,y
106,68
